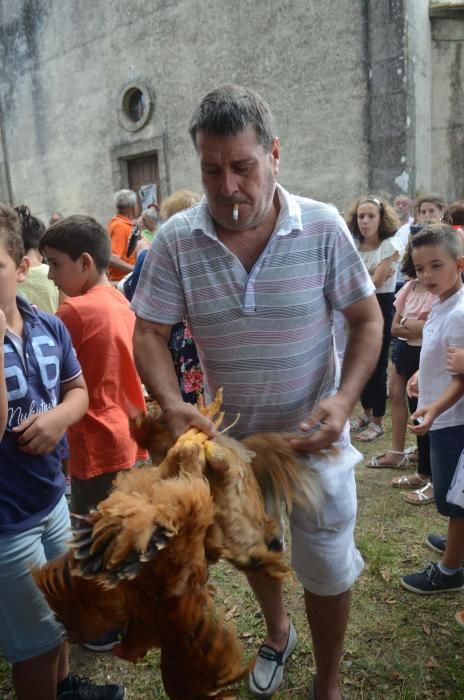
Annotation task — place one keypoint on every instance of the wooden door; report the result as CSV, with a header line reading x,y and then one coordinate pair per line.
x,y
143,170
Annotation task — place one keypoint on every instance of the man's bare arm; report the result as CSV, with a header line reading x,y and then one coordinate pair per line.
x,y
154,364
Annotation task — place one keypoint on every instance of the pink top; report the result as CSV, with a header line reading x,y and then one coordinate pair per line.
x,y
414,305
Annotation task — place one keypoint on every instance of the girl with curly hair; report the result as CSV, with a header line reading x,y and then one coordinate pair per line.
x,y
373,224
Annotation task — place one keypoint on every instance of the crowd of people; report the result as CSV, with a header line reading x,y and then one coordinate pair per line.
x,y
296,312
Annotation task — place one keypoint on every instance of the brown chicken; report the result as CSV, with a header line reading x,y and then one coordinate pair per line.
x,y
249,482
140,559
139,562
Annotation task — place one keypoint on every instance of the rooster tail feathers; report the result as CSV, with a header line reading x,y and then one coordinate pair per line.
x,y
200,651
281,473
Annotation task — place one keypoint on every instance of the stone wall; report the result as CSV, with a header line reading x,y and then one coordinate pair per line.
x,y
66,63
448,106
350,84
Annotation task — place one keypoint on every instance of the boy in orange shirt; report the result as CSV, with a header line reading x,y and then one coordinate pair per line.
x,y
101,325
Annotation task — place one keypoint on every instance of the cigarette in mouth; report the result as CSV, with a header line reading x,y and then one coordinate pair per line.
x,y
235,212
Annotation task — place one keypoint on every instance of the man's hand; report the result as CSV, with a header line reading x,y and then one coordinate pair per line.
x,y
323,425
455,360
39,434
412,387
181,416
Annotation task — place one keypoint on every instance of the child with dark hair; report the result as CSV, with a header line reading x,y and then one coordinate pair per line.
x,y
438,259
37,288
101,325
46,394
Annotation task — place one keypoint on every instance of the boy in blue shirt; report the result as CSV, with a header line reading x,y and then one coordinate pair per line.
x,y
46,394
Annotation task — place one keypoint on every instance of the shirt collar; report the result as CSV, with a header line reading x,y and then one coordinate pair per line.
x,y
288,221
27,311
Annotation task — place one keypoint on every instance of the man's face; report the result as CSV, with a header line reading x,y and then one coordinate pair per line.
x,y
66,273
237,170
402,206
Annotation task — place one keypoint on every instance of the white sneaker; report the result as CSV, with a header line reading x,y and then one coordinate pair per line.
x,y
268,671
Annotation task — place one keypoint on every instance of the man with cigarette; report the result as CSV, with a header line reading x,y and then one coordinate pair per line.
x,y
258,272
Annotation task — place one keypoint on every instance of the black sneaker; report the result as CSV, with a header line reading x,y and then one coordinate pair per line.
x,y
432,580
83,689
436,542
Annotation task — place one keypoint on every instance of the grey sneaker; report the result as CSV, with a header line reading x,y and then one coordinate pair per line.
x,y
268,672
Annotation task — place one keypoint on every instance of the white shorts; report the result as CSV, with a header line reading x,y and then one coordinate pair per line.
x,y
324,554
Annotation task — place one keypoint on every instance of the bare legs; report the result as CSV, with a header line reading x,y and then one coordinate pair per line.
x,y
399,410
327,617
454,552
38,677
269,594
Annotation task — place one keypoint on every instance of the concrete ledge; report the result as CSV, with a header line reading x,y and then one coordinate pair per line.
x,y
446,9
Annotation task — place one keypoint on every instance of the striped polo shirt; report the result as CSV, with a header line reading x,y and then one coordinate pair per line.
x,y
265,336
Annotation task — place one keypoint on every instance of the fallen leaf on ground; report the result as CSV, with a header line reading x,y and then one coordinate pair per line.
x,y
231,613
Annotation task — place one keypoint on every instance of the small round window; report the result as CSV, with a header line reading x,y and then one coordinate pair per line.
x,y
135,106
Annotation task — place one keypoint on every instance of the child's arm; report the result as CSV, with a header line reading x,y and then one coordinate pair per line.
x,y
428,413
40,433
412,386
410,329
455,360
384,270
3,396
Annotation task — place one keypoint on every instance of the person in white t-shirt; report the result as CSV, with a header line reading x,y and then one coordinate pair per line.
x,y
438,258
373,224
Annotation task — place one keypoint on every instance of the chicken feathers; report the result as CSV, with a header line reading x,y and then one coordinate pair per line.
x,y
140,559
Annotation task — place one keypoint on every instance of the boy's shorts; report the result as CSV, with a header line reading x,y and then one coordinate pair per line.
x,y
324,554
27,625
446,445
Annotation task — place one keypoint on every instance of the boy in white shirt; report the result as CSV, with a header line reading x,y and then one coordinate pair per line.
x,y
438,259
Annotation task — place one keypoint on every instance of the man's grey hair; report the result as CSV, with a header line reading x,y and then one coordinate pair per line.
x,y
125,199
230,109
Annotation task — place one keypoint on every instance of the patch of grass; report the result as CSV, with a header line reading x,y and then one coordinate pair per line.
x,y
399,646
